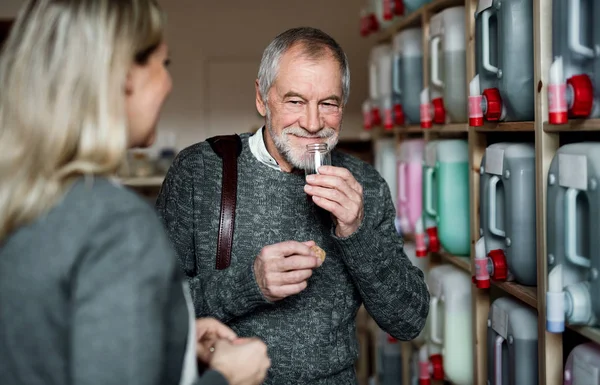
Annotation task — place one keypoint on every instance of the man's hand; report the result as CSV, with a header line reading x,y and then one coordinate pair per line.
x,y
208,332
335,190
283,269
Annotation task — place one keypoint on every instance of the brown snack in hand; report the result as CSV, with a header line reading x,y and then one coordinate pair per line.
x,y
320,252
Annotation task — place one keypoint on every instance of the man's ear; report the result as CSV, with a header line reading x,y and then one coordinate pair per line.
x,y
260,104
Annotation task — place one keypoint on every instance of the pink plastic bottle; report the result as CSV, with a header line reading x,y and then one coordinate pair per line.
x,y
410,170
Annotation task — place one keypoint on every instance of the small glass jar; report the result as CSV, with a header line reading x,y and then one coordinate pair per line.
x,y
317,155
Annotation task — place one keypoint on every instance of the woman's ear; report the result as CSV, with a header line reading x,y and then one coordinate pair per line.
x,y
129,84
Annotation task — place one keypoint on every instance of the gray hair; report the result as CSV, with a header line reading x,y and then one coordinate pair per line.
x,y
314,42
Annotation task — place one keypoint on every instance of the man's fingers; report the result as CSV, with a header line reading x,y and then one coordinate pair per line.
x,y
287,290
288,248
299,262
343,173
296,276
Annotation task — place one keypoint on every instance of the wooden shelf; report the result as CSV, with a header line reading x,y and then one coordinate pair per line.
x,y
506,126
152,181
408,238
527,294
412,20
574,126
439,5
588,332
453,127
463,263
547,142
415,129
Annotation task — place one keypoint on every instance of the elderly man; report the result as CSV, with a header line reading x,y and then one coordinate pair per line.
x,y
275,287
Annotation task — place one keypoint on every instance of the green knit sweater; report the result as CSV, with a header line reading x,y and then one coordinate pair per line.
x,y
311,336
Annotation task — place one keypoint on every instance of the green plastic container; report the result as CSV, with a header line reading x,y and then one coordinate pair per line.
x,y
446,193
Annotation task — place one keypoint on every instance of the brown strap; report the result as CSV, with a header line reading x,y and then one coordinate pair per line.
x,y
228,147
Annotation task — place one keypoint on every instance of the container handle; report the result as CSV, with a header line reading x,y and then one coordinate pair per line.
x,y
435,62
373,82
434,321
498,360
571,230
396,75
574,37
429,192
487,64
492,206
402,188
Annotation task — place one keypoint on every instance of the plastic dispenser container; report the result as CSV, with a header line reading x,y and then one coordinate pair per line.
x,y
512,343
446,195
389,359
410,182
431,366
503,88
386,164
572,236
450,313
379,74
426,231
573,89
448,66
408,69
507,249
583,365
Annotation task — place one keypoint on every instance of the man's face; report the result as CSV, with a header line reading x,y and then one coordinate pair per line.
x,y
304,107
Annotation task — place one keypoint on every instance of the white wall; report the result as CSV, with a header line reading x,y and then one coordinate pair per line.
x,y
216,48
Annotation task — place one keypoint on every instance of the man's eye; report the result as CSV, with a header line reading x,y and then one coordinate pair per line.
x,y
296,102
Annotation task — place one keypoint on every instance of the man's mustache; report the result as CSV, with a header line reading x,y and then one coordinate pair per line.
x,y
324,133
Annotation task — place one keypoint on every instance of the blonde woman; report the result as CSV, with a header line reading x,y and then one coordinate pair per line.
x,y
90,292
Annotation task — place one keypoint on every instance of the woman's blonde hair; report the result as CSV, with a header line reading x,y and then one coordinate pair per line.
x,y
63,74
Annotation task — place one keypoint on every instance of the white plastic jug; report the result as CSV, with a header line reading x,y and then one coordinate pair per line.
x,y
450,311
445,101
383,12
380,83
385,163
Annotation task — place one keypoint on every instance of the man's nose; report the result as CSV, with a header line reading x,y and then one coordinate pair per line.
x,y
311,121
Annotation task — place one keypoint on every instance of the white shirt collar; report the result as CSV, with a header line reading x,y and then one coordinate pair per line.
x,y
259,150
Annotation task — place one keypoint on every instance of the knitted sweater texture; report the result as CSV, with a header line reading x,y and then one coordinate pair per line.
x,y
311,336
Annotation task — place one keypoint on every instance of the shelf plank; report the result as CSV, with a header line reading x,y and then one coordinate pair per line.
x,y
415,129
153,181
408,238
574,125
439,5
412,20
527,294
506,126
588,332
463,263
452,127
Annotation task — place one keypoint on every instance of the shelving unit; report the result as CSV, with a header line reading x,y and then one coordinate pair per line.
x,y
547,139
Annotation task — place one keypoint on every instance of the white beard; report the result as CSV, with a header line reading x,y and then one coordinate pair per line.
x,y
297,157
